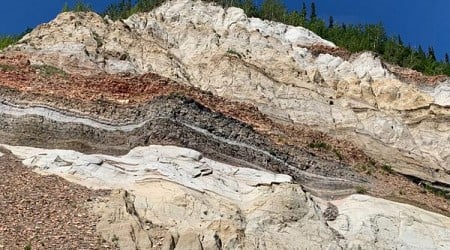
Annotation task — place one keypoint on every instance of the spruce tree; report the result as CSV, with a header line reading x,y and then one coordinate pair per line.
x,y
431,54
65,8
421,52
330,22
446,59
303,12
313,12
273,10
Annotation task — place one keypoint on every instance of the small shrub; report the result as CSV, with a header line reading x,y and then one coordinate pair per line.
x,y
361,190
387,169
48,70
319,145
338,154
27,247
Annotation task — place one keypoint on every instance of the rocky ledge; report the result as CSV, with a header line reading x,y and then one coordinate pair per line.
x,y
218,131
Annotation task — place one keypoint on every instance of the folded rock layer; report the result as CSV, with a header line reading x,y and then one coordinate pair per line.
x,y
218,131
266,64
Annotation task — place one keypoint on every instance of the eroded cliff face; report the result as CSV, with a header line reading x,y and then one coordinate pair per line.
x,y
267,64
179,199
218,131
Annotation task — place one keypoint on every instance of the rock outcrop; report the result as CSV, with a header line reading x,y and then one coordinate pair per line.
x,y
199,202
379,224
178,198
172,120
267,64
218,131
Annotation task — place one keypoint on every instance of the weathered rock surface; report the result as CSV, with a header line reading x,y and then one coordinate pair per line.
x,y
267,64
170,204
238,207
379,224
242,182
177,121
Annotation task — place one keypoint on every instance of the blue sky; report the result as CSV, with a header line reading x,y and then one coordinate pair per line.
x,y
424,22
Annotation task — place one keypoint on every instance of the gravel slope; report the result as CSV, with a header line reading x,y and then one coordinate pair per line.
x,y
44,212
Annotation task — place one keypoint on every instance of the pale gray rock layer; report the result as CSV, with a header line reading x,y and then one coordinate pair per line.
x,y
197,201
266,64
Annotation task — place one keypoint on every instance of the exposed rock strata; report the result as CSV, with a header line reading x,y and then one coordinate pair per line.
x,y
268,64
177,121
170,203
226,190
244,208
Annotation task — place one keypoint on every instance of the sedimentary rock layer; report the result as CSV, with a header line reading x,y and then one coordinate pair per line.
x,y
177,197
111,114
213,129
177,121
267,64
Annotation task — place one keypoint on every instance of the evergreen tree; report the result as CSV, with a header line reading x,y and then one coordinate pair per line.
x,y
446,59
120,10
330,22
399,39
249,8
65,8
273,10
303,12
431,54
421,53
313,12
80,6
146,5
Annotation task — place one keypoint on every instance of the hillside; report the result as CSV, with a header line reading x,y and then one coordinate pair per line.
x,y
214,130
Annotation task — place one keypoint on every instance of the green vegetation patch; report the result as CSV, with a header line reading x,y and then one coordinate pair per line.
x,y
361,190
6,67
79,6
319,145
387,169
5,41
439,192
48,70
